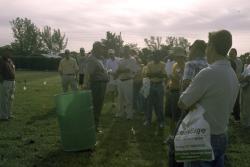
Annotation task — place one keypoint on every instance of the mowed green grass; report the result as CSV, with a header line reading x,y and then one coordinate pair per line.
x,y
32,138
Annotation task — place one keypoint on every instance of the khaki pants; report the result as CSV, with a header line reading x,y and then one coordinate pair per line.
x,y
69,80
125,96
6,96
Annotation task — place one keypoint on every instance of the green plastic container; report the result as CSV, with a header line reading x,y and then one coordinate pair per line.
x,y
76,120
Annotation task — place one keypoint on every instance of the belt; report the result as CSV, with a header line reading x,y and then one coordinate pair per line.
x,y
125,79
68,74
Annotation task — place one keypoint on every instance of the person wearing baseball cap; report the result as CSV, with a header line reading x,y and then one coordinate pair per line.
x,y
174,84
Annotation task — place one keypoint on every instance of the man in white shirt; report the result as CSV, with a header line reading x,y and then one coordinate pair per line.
x,y
169,66
125,73
112,66
215,88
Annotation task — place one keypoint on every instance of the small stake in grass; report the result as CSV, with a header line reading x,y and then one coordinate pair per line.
x,y
25,85
44,83
133,131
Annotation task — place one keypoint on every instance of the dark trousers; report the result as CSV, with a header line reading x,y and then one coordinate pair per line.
x,y
136,95
156,102
236,111
173,105
98,92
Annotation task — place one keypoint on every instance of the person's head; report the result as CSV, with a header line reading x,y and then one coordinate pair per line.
x,y
219,43
156,56
178,54
7,54
111,53
82,52
67,54
126,52
197,49
233,53
97,49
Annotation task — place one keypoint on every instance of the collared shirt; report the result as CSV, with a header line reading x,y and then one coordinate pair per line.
x,y
176,78
156,68
68,66
193,67
127,64
215,88
95,71
246,71
7,70
112,64
169,67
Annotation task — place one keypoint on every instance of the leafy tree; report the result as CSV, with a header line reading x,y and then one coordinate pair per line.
x,y
153,43
27,37
113,41
177,41
59,41
53,42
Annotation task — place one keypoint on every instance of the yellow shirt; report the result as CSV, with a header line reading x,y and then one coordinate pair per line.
x,y
157,69
175,80
68,66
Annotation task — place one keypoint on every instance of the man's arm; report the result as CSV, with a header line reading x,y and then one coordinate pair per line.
x,y
195,91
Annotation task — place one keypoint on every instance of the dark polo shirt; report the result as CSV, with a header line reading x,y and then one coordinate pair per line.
x,y
7,70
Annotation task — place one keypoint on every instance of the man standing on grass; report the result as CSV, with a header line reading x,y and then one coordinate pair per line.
x,y
96,79
68,70
125,73
174,85
215,88
112,66
7,72
82,66
157,74
195,63
238,68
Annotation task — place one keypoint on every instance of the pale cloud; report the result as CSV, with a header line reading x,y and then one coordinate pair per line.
x,y
85,21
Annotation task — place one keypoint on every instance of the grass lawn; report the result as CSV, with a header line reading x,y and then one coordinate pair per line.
x,y
32,138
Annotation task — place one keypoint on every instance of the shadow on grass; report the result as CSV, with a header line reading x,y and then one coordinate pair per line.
x,y
59,158
150,144
114,142
50,114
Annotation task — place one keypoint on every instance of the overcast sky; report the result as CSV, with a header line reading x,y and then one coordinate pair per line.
x,y
86,21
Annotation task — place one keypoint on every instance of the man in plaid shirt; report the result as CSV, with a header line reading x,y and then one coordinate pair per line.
x,y
196,62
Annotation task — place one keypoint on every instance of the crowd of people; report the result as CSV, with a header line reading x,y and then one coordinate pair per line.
x,y
205,74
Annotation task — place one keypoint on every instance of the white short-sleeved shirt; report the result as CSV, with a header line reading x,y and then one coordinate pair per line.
x,y
215,88
169,67
129,63
112,64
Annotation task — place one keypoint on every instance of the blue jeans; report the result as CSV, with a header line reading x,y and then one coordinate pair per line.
x,y
219,144
155,100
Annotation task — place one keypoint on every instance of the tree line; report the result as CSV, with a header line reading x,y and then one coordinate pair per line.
x,y
29,40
